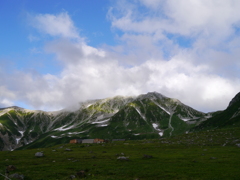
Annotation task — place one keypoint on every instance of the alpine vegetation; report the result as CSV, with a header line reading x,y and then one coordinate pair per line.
x,y
147,116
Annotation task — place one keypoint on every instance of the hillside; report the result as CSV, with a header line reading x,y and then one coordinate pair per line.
x,y
150,115
230,117
212,154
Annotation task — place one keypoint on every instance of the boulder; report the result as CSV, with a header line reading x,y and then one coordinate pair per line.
x,y
39,154
72,176
17,176
145,156
11,168
123,158
213,158
81,174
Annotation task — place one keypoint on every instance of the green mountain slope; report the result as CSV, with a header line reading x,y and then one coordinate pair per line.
x,y
230,117
151,115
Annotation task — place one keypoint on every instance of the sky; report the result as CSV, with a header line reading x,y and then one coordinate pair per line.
x,y
54,54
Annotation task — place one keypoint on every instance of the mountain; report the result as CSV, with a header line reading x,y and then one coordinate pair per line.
x,y
150,115
230,117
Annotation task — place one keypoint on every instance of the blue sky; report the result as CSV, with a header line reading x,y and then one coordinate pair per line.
x,y
19,38
58,53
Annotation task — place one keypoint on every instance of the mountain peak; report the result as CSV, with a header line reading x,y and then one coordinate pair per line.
x,y
12,107
151,95
234,100
156,93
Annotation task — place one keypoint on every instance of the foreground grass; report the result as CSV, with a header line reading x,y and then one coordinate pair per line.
x,y
204,155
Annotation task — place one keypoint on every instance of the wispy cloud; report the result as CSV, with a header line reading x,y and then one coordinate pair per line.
x,y
32,38
55,25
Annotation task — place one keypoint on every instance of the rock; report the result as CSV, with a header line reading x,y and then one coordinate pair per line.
x,y
123,158
72,176
67,149
11,168
238,145
213,158
104,152
39,154
81,174
145,156
17,176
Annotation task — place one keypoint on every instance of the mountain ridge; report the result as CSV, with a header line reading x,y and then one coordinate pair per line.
x,y
150,115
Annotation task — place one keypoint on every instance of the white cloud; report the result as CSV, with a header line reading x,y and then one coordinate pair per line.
x,y
147,58
185,17
100,77
96,76
6,97
56,25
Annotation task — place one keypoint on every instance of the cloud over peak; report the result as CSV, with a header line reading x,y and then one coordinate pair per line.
x,y
183,49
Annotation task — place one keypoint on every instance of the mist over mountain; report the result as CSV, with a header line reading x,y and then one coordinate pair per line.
x,y
150,116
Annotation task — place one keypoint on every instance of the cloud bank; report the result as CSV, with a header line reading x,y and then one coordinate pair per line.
x,y
183,49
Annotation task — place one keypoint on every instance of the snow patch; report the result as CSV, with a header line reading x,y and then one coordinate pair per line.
x,y
100,117
102,125
88,105
138,110
100,122
63,128
18,139
21,132
184,119
76,132
55,137
162,107
170,125
155,126
136,134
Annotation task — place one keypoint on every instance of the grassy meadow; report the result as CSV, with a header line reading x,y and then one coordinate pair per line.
x,y
201,155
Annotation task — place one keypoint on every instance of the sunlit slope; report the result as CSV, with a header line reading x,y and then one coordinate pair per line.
x,y
151,115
